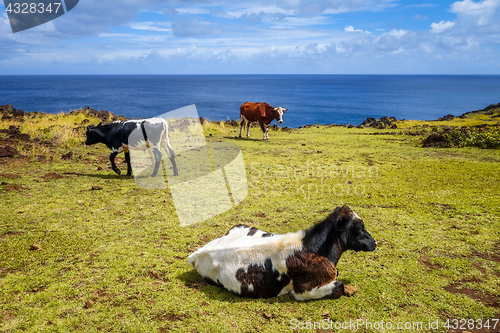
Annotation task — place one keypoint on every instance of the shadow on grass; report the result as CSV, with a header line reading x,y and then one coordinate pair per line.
x,y
108,176
193,280
237,138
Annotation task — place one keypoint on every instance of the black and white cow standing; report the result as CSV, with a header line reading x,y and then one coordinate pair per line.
x,y
116,136
254,263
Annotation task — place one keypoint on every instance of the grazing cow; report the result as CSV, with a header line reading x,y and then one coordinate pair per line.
x,y
254,263
116,137
261,112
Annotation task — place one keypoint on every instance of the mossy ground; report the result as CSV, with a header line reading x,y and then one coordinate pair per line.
x,y
434,212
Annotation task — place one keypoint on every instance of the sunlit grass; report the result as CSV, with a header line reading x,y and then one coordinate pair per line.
x,y
434,212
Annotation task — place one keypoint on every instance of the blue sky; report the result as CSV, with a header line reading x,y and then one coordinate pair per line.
x,y
259,37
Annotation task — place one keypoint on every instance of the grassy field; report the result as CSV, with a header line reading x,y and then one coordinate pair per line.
x,y
113,256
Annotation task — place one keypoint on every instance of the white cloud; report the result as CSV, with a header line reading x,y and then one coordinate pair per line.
x,y
398,33
441,26
351,29
151,26
227,36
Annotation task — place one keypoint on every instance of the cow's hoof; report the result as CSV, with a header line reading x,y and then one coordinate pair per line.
x,y
117,171
337,290
129,173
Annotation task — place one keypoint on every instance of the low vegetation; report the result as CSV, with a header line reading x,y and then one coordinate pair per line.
x,y
83,249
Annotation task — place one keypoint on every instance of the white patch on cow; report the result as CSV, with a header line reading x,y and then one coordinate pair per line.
x,y
220,259
318,292
287,289
280,111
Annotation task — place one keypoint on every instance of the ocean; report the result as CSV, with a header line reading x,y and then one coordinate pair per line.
x,y
310,99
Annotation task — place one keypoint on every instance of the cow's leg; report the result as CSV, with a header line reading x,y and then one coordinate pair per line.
x,y
171,156
129,166
333,290
264,130
242,123
248,129
157,154
112,160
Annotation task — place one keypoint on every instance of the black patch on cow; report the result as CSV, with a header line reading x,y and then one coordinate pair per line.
x,y
144,131
252,231
265,281
339,232
267,234
309,270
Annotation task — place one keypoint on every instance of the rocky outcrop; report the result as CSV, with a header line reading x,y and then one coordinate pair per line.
x,y
382,123
8,112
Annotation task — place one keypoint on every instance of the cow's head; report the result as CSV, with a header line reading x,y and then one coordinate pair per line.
x,y
280,111
352,232
92,135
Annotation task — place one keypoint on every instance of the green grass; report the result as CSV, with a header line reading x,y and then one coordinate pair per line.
x,y
434,212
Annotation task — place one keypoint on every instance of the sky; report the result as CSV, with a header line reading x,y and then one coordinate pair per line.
x,y
259,37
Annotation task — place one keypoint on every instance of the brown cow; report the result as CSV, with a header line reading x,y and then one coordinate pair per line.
x,y
261,112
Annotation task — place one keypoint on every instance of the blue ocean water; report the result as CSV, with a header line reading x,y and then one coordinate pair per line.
x,y
310,99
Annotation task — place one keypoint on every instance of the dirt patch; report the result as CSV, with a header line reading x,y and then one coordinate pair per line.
x,y
17,187
488,300
442,206
495,256
9,175
11,233
8,151
52,175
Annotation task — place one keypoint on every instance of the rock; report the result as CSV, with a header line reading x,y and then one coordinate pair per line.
x,y
7,112
349,290
35,247
96,187
67,156
384,122
447,117
8,151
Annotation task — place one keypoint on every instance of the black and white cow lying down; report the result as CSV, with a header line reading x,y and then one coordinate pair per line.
x,y
254,263
116,137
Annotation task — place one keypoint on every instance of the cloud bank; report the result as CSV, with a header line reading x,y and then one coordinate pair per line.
x,y
277,36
